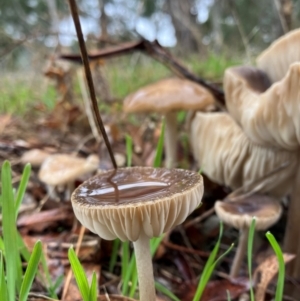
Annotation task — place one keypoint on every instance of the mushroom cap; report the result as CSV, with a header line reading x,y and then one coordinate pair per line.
x,y
35,157
277,58
239,214
61,169
128,202
269,115
169,95
228,157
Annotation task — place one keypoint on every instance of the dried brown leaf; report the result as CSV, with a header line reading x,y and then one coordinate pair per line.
x,y
265,272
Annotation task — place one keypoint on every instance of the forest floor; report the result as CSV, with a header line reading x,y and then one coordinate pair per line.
x,y
61,127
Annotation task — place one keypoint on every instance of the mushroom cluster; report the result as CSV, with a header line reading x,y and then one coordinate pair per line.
x,y
260,133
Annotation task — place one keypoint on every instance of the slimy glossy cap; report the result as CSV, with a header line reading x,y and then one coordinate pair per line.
x,y
128,202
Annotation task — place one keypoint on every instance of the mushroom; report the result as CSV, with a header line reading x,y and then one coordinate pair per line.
x,y
136,204
63,169
35,157
277,58
166,97
239,214
228,157
269,115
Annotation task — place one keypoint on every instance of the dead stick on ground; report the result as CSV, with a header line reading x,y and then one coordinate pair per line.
x,y
156,51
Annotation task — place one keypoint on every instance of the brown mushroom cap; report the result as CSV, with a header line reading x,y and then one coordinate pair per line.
x,y
239,214
277,58
228,157
131,202
169,95
268,115
61,169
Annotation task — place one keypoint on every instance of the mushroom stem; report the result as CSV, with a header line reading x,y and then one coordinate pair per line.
x,y
240,253
69,190
171,139
144,268
291,237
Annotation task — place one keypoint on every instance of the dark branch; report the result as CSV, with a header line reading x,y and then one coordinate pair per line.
x,y
88,74
159,53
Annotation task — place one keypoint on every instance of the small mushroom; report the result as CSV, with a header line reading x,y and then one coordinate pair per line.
x,y
35,157
269,115
166,97
239,214
136,204
277,58
228,157
63,170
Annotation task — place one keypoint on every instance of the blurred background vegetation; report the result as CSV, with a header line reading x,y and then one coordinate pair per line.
x,y
206,35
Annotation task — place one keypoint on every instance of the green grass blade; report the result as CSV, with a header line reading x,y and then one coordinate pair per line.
x,y
281,272
249,255
154,244
210,261
49,284
22,188
9,230
30,271
93,288
79,274
128,149
22,247
3,286
19,273
165,291
160,147
129,275
134,283
2,248
213,266
58,282
125,260
181,116
114,254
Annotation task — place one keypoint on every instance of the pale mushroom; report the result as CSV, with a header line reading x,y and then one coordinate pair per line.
x,y
277,58
63,170
136,204
167,97
35,157
269,115
227,156
239,214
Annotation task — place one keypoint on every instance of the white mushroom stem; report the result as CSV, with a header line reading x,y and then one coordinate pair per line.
x,y
69,190
51,192
171,139
240,253
144,268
